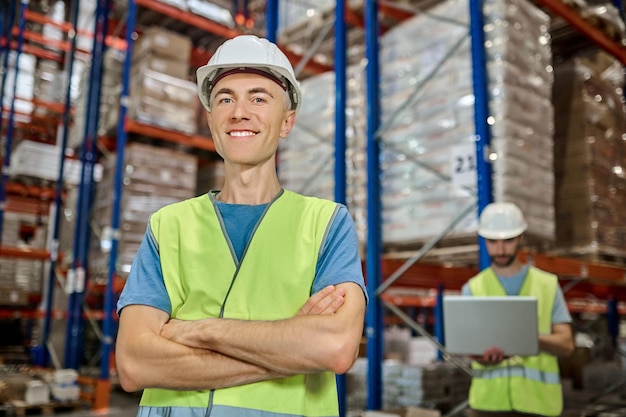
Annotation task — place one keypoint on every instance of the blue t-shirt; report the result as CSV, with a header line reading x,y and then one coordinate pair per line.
x,y
338,261
513,285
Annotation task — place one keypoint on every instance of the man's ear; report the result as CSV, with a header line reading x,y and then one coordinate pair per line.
x,y
288,123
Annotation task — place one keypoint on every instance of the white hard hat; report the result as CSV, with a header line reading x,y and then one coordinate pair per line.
x,y
501,221
248,53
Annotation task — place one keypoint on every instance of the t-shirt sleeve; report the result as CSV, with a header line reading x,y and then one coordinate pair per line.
x,y
145,284
339,259
560,313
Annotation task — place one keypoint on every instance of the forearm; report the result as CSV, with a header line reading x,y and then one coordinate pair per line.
x,y
147,360
301,344
560,342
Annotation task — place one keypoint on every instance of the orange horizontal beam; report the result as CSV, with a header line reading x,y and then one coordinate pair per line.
x,y
405,300
577,268
34,191
193,141
423,275
39,38
34,50
45,20
574,18
24,253
189,18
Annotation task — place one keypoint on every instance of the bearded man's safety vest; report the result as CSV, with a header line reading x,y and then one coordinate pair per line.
x,y
271,282
526,384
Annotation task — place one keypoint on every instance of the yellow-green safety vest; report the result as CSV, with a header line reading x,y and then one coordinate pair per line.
x,y
273,280
525,384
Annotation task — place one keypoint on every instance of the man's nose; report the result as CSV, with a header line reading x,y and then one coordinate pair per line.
x,y
240,110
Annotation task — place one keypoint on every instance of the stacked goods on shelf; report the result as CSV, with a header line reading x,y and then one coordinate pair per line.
x,y
427,109
590,155
306,157
24,84
21,277
160,94
427,118
40,160
153,178
437,385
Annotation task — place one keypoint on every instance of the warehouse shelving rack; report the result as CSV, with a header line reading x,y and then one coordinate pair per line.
x,y
36,199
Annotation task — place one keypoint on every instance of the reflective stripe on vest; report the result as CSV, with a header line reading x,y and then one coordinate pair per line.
x,y
525,384
204,279
518,371
216,411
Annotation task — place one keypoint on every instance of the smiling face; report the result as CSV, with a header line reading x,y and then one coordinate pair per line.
x,y
248,117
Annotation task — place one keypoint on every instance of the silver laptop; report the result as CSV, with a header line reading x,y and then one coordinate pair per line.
x,y
473,324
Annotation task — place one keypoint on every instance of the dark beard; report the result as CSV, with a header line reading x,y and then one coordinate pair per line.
x,y
508,262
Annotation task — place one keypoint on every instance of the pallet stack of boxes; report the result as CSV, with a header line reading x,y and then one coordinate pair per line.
x,y
590,157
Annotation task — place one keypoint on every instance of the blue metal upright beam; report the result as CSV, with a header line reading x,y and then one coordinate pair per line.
x,y
122,138
10,131
481,114
77,276
271,20
340,101
42,352
340,60
374,314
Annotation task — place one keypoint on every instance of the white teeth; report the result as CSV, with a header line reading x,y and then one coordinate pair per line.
x,y
242,133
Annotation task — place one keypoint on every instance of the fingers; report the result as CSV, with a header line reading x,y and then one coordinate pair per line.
x,y
493,355
326,301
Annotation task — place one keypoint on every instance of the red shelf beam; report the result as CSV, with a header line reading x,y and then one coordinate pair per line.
x,y
193,141
190,19
558,7
24,253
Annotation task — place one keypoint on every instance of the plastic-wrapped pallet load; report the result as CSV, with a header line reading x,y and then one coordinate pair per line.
x,y
430,138
306,157
153,178
590,155
428,134
438,385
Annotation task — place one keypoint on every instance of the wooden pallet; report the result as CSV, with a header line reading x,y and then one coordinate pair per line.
x,y
21,408
598,254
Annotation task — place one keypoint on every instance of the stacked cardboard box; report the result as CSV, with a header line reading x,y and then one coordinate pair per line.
x,y
590,155
20,277
160,93
23,82
153,178
307,157
437,385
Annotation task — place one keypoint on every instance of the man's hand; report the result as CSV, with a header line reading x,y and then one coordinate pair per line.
x,y
492,356
326,301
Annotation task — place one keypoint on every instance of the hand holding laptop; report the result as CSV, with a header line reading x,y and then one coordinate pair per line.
x,y
492,356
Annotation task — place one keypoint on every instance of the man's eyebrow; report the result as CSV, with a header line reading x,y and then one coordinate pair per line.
x,y
224,91
254,90
261,90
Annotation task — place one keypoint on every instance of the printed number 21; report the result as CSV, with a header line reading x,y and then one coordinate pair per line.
x,y
464,163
